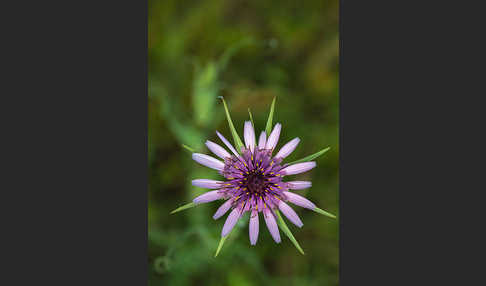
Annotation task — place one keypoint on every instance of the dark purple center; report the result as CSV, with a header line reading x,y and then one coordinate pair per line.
x,y
254,180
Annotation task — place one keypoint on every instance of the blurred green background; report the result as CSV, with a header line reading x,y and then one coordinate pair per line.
x,y
248,52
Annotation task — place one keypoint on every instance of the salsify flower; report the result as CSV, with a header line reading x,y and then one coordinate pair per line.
x,y
253,181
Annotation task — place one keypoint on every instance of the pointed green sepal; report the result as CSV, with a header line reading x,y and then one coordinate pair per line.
x,y
323,212
251,118
192,150
283,226
236,138
311,157
220,245
184,207
268,128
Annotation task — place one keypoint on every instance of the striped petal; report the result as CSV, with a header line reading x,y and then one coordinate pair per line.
x,y
223,209
208,197
299,185
208,161
290,213
262,141
299,200
298,168
273,138
227,143
249,135
217,150
271,224
288,148
230,221
254,228
205,183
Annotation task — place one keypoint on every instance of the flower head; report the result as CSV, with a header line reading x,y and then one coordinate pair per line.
x,y
253,181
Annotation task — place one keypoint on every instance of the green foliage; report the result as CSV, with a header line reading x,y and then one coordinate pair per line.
x,y
283,226
251,117
269,125
184,207
323,212
234,133
220,245
190,149
311,157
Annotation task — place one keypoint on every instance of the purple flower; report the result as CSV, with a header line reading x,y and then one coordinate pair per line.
x,y
254,181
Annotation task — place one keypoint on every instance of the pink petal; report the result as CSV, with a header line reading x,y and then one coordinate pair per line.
x,y
262,141
205,183
208,161
230,221
271,224
290,213
273,138
299,200
208,197
249,135
298,168
217,150
288,148
227,143
253,229
299,185
223,209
